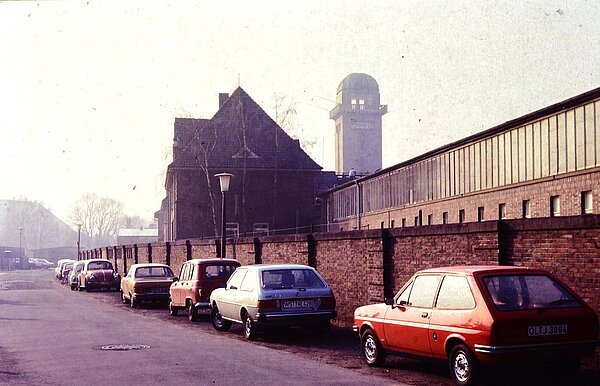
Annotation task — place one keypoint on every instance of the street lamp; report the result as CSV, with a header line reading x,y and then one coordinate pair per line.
x,y
78,241
224,179
20,249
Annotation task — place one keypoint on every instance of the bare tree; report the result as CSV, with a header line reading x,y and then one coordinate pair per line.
x,y
100,218
285,116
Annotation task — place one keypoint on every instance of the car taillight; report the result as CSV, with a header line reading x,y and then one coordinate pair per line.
x,y
327,301
267,303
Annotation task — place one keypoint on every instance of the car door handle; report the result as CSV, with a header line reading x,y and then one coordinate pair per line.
x,y
424,314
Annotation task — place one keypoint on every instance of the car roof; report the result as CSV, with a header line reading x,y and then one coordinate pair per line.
x,y
263,267
148,265
473,269
212,260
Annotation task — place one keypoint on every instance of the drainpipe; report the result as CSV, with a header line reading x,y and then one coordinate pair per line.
x,y
357,205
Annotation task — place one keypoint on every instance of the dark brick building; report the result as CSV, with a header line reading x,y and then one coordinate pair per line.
x,y
274,184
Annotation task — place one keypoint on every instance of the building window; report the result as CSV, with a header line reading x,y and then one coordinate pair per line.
x,y
480,214
430,219
526,209
554,206
586,202
403,222
445,218
461,216
502,211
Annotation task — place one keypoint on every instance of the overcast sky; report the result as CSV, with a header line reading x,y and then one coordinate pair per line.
x,y
89,90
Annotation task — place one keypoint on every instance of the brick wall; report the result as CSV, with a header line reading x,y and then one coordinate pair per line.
x,y
363,266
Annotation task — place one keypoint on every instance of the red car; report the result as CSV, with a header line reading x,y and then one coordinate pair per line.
x,y
480,315
197,279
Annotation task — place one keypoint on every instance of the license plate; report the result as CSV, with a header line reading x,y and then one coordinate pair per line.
x,y
297,304
549,330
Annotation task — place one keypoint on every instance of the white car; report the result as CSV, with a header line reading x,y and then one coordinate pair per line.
x,y
259,296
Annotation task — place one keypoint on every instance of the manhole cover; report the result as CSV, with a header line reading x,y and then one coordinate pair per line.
x,y
122,347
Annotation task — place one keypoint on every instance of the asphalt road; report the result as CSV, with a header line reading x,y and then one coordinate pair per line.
x,y
50,335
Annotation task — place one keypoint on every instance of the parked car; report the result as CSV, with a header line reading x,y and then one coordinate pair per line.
x,y
65,271
147,282
73,280
98,274
44,264
480,315
261,296
197,279
59,266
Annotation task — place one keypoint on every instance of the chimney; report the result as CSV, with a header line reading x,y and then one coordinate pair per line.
x,y
222,98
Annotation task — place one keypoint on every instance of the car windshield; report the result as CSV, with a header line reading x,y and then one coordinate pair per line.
x,y
527,292
290,278
93,265
153,272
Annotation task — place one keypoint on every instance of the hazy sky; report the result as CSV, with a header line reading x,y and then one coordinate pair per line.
x,y
89,90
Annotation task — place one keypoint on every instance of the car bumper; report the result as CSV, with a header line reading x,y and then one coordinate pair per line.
x,y
588,344
152,296
295,319
100,285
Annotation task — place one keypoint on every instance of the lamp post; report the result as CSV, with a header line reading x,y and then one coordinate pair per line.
x,y
224,179
78,241
20,249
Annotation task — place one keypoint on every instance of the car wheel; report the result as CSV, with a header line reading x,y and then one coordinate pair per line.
x,y
133,301
249,327
371,349
217,320
463,367
192,312
172,309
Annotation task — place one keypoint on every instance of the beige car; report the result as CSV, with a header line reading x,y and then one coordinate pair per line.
x,y
148,282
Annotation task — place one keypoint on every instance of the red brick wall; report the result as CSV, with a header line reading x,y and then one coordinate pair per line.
x,y
353,262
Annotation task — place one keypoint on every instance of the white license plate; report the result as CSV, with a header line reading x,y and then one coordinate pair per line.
x,y
552,329
296,304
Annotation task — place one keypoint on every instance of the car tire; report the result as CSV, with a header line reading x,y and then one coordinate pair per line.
x,y
249,327
463,366
217,320
192,312
172,309
133,301
371,349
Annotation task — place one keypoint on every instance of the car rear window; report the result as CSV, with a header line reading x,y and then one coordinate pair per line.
x,y
220,271
99,265
153,272
290,278
527,292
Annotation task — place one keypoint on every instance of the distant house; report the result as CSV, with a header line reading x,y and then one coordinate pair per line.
x,y
274,185
137,236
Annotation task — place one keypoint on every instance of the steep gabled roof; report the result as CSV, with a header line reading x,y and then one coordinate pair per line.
x,y
240,134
